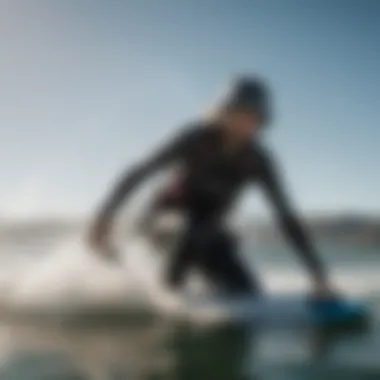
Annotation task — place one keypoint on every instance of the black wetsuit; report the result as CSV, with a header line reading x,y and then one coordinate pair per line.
x,y
209,180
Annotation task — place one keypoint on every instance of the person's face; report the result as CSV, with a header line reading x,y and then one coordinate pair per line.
x,y
243,124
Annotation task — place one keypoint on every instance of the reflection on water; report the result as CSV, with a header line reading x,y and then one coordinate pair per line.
x,y
133,352
157,350
31,352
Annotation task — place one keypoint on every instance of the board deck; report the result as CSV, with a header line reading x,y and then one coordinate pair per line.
x,y
281,309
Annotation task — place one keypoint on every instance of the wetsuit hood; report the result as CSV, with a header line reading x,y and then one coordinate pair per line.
x,y
251,93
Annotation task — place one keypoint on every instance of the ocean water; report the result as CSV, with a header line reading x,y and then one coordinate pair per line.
x,y
44,274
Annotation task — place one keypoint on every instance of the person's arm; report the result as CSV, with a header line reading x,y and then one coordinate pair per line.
x,y
128,182
291,223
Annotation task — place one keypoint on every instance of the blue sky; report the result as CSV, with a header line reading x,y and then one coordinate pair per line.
x,y
88,86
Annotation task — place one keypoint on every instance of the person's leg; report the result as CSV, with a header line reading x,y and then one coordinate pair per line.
x,y
221,264
174,242
182,258
213,251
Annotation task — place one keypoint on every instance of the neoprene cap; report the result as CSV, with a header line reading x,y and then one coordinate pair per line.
x,y
249,93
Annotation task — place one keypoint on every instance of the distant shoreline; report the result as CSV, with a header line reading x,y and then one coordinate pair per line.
x,y
343,228
350,229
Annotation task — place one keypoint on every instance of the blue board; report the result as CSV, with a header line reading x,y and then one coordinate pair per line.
x,y
273,310
339,311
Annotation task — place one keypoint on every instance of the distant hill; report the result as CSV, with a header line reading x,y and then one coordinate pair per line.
x,y
348,228
340,228
52,228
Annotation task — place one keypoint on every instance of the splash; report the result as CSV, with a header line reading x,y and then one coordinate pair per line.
x,y
73,276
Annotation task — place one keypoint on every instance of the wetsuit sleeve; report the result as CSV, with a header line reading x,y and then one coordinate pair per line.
x,y
288,218
164,156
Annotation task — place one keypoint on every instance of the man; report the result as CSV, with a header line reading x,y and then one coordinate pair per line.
x,y
217,158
